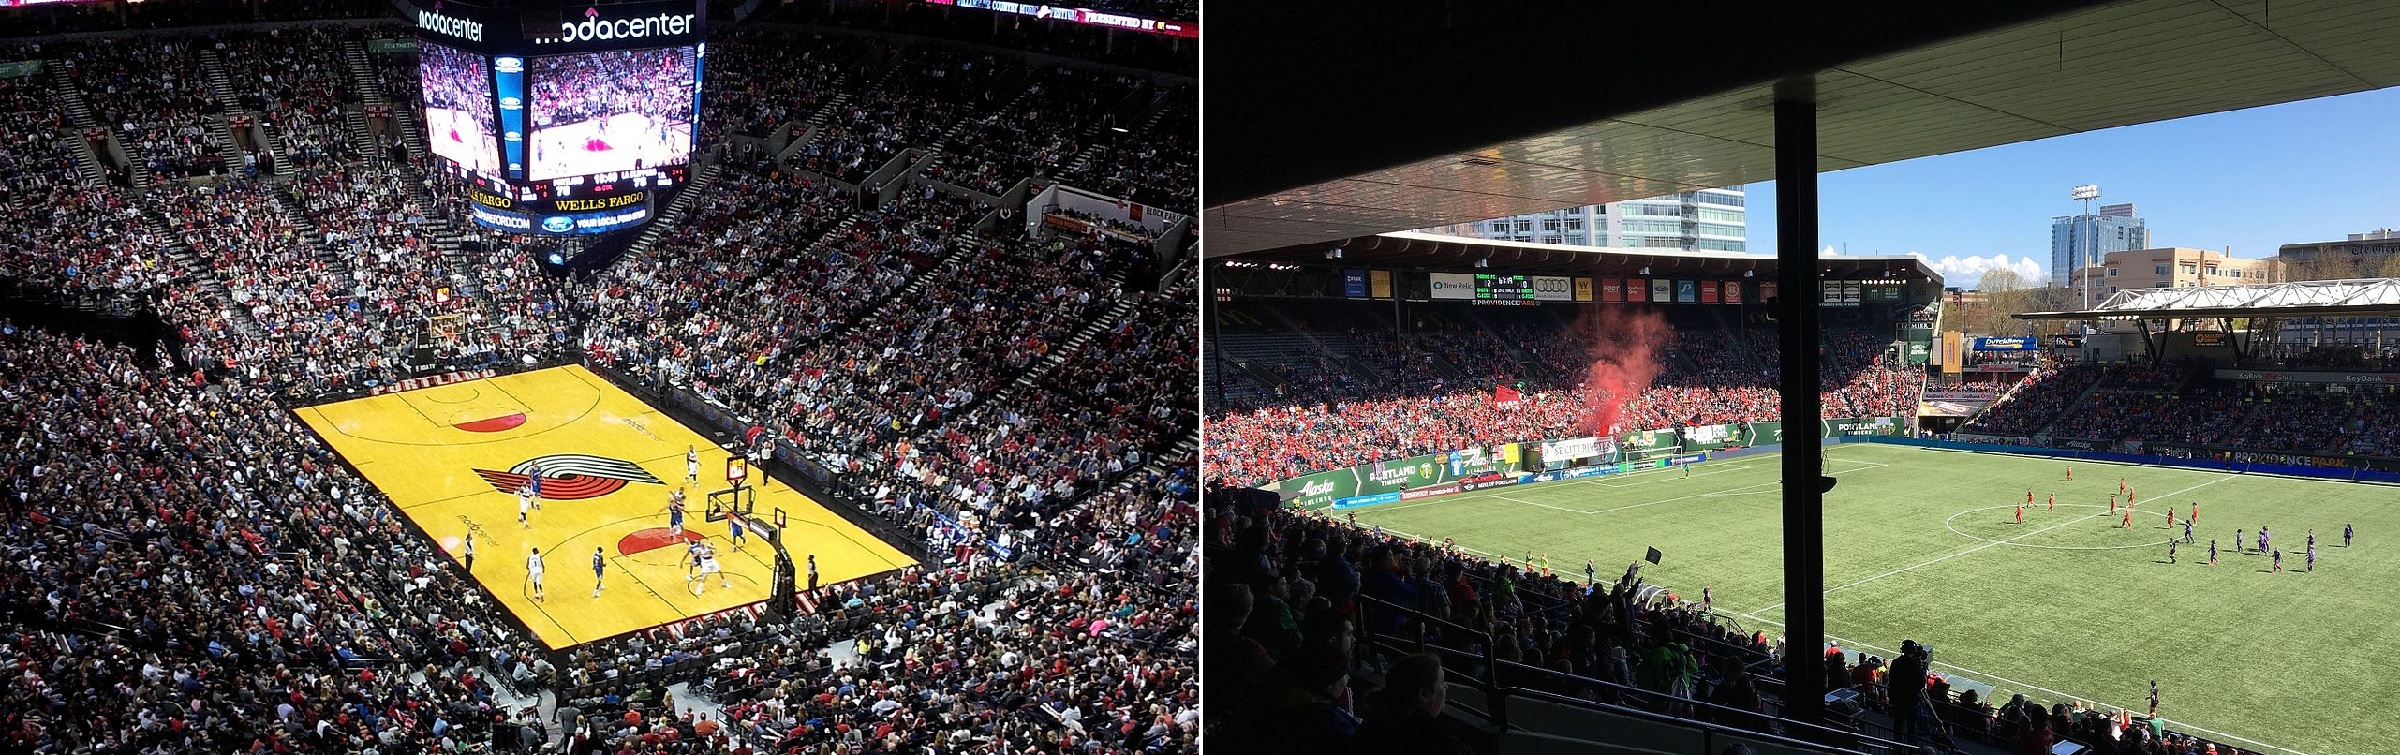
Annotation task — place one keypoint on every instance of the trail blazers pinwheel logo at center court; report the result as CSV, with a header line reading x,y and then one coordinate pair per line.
x,y
570,477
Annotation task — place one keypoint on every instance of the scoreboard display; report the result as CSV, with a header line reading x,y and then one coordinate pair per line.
x,y
1502,287
562,119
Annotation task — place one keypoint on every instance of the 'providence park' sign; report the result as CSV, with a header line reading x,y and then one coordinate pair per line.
x,y
2275,376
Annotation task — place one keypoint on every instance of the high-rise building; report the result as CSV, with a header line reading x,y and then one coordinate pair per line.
x,y
2078,241
1704,220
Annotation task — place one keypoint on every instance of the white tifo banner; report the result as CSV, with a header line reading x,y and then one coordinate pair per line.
x,y
1576,448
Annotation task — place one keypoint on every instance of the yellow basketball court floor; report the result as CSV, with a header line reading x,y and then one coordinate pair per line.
x,y
452,457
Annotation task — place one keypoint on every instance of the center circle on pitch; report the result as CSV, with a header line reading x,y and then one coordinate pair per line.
x,y
2088,527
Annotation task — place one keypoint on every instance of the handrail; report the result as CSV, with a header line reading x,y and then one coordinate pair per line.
x,y
1709,727
1497,690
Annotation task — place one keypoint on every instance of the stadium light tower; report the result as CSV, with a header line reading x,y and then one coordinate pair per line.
x,y
2086,193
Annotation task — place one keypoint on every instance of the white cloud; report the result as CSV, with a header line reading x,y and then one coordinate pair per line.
x,y
1830,251
1963,271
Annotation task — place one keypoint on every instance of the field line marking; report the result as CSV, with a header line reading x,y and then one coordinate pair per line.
x,y
1994,543
1543,505
1971,673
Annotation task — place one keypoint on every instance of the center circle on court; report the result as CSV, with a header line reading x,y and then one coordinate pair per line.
x,y
2089,527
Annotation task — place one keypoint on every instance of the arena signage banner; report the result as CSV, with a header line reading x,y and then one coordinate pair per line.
x,y
1354,282
1733,292
2269,376
1687,292
1612,290
1577,448
1365,500
1447,488
1379,284
1553,288
1708,292
2005,343
450,26
636,27
1660,289
20,69
1475,485
1649,443
1452,286
1583,289
1860,427
1959,395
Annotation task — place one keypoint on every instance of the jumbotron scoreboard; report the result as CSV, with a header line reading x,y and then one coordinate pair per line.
x,y
562,119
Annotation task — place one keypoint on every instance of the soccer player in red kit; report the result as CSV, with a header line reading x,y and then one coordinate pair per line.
x,y
2195,517
2070,474
2112,503
2029,498
2128,517
2020,514
2053,501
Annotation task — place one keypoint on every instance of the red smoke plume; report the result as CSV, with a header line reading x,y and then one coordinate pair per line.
x,y
1626,347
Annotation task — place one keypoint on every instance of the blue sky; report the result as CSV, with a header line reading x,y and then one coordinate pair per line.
x,y
2252,179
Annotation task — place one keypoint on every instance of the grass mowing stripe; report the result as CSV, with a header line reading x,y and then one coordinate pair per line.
x,y
2078,520
2083,607
1988,678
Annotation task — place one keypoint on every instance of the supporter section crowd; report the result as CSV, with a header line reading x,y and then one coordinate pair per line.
x,y
287,608
1437,393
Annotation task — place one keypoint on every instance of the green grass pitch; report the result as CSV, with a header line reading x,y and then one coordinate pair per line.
x,y
1923,544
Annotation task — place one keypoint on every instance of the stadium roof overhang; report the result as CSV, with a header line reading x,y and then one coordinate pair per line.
x,y
2375,297
1347,118
1413,250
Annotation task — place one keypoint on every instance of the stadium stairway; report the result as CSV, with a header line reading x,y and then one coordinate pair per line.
x,y
188,260
1094,145
369,93
806,131
677,208
220,84
315,238
79,117
1083,337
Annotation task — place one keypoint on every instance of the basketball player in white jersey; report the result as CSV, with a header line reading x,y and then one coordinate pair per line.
x,y
533,572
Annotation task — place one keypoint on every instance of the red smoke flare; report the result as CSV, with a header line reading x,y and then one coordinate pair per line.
x,y
1626,346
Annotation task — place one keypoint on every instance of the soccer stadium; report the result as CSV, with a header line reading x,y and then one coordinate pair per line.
x,y
748,378
1471,493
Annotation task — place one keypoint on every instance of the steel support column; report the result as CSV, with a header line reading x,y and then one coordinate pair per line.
x,y
1804,480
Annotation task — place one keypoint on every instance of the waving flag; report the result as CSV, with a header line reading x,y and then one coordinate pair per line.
x,y
1505,397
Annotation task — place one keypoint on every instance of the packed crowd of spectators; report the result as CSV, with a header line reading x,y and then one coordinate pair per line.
x,y
927,92
1439,393
299,91
1154,166
149,91
570,89
758,80
282,604
1294,598
1038,134
287,608
2035,401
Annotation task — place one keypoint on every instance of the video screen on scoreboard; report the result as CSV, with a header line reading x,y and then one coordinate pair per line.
x,y
458,108
604,112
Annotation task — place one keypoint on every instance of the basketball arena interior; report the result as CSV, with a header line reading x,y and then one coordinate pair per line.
x,y
694,377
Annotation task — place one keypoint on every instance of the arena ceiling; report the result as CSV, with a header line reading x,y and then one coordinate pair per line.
x,y
1422,114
